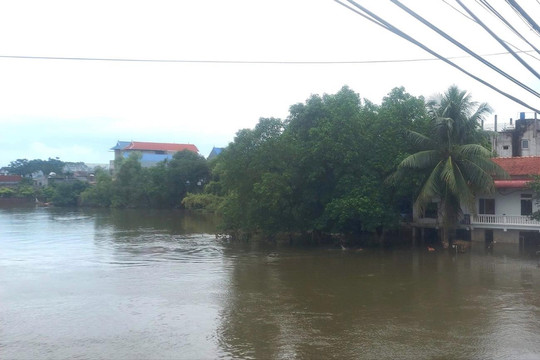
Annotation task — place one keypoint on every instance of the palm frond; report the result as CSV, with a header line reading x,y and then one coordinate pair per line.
x,y
464,188
448,175
477,177
430,189
420,141
420,160
471,150
482,110
490,167
442,129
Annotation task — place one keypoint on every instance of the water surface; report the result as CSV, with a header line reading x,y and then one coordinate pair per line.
x,y
159,285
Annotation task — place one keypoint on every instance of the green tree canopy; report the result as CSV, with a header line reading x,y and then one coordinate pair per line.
x,y
454,164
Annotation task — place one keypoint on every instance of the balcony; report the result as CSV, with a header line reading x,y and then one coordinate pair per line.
x,y
504,222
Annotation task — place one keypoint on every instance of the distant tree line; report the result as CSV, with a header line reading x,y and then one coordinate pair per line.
x,y
160,186
336,164
339,164
322,170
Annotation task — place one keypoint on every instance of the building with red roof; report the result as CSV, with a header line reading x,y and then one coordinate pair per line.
x,y
505,215
151,152
10,180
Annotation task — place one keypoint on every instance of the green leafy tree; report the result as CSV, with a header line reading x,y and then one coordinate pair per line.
x,y
130,184
6,192
322,170
455,167
99,194
67,193
241,168
26,167
186,172
534,185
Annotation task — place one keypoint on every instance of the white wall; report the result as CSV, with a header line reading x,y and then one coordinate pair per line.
x,y
500,141
507,201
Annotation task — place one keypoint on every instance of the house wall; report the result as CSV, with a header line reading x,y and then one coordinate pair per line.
x,y
499,236
502,143
524,129
507,201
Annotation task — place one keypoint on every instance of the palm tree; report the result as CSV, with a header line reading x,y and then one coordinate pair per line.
x,y
457,167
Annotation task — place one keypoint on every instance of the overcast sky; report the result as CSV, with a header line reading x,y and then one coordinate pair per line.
x,y
77,109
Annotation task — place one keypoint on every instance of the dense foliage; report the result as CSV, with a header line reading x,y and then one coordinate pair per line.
x,y
160,186
534,185
454,163
26,167
323,169
329,167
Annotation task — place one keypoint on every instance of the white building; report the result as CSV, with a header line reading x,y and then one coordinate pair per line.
x,y
503,217
519,138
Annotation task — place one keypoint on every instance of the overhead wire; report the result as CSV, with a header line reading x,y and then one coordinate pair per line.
x,y
519,50
463,47
503,44
263,62
459,11
528,20
400,33
494,11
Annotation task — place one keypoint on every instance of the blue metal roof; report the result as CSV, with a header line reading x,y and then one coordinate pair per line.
x,y
120,145
215,152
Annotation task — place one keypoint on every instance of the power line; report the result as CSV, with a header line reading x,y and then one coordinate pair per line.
x,y
491,9
378,20
517,57
488,7
464,48
196,61
459,11
528,20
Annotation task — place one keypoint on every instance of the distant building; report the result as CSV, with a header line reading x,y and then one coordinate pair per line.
x,y
215,152
151,152
39,178
505,215
10,180
519,139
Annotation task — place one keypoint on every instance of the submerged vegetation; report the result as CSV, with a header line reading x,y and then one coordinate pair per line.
x,y
329,167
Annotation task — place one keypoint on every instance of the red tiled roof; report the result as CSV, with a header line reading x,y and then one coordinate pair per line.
x,y
10,178
151,146
520,166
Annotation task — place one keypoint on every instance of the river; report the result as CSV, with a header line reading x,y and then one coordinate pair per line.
x,y
132,284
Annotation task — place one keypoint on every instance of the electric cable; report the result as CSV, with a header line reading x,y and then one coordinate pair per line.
x,y
400,33
516,56
263,62
464,48
490,8
524,15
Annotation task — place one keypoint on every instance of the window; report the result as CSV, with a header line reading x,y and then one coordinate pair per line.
x,y
505,147
431,210
526,204
486,206
524,144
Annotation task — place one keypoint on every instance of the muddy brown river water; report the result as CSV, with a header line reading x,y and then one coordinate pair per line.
x,y
159,285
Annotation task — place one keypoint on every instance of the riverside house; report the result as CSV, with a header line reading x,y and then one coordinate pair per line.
x,y
152,152
502,217
505,215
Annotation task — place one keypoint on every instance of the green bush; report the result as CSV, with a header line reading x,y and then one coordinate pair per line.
x,y
202,202
6,192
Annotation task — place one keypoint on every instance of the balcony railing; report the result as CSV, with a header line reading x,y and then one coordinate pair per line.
x,y
517,220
